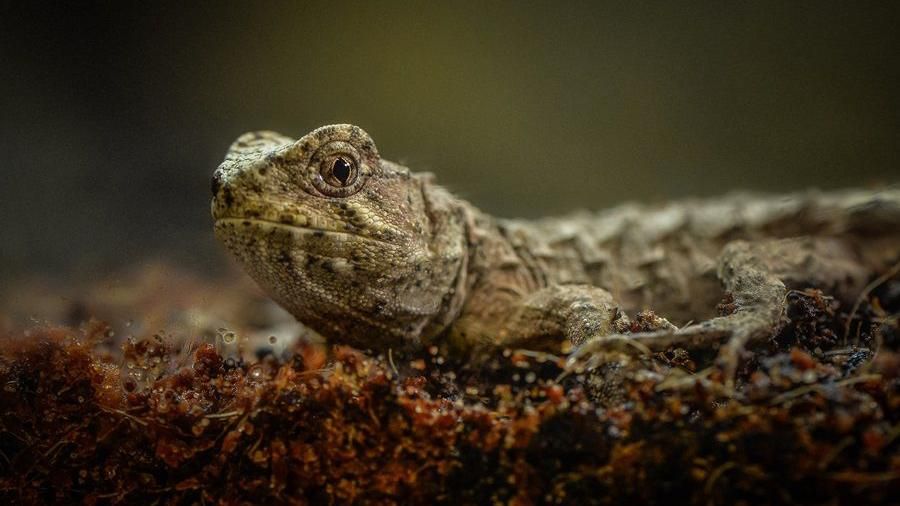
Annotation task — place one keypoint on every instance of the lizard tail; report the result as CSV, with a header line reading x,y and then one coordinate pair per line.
x,y
871,211
856,212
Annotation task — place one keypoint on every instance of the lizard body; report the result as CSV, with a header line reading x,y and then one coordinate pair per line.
x,y
370,254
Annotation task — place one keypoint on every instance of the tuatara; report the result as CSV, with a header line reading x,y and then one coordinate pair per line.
x,y
373,255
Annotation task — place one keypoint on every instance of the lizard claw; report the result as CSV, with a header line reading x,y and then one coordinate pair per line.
x,y
592,352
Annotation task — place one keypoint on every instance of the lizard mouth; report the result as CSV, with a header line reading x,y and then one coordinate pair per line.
x,y
238,223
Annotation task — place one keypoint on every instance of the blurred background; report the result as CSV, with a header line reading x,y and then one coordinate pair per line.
x,y
113,116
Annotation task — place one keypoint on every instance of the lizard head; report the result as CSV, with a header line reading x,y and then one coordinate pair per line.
x,y
356,247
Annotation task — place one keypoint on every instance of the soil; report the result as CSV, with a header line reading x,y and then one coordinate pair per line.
x,y
95,413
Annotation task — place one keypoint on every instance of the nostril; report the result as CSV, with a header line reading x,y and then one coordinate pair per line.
x,y
216,183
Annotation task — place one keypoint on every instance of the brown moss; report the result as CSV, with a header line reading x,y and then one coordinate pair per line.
x,y
155,425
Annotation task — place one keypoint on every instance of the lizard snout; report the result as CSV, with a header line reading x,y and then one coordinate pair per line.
x,y
216,183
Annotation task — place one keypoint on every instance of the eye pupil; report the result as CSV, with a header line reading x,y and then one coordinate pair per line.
x,y
339,174
342,170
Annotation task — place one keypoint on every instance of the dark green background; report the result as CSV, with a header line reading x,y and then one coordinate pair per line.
x,y
114,117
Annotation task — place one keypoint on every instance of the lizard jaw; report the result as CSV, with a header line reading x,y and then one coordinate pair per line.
x,y
222,224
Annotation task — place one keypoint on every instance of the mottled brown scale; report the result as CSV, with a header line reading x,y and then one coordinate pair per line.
x,y
400,262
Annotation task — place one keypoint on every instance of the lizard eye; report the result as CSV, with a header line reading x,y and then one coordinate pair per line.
x,y
339,171
342,172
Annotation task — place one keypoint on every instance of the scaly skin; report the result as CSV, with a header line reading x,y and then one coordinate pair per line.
x,y
370,254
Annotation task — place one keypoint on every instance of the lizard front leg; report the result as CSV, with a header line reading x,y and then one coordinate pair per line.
x,y
575,313
561,317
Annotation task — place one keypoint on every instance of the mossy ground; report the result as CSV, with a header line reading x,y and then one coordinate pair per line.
x,y
815,418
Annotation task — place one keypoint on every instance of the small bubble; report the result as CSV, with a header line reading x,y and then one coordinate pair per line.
x,y
228,337
530,377
273,339
230,363
128,323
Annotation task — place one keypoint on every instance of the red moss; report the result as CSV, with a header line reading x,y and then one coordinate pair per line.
x,y
77,425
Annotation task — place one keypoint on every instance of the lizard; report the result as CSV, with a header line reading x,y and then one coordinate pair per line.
x,y
371,254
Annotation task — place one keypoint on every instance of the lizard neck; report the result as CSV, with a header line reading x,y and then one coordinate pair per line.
x,y
499,271
450,221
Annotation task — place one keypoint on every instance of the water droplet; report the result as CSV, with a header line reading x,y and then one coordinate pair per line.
x,y
228,337
273,339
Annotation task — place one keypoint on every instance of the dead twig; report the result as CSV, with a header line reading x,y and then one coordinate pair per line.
x,y
865,293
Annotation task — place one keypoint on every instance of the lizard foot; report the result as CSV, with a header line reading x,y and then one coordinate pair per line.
x,y
754,274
